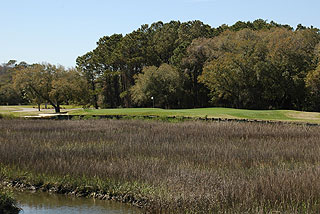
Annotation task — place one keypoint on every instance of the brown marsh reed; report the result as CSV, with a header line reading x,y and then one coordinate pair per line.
x,y
187,167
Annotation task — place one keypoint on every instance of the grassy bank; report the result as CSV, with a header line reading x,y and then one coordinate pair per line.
x,y
7,204
189,167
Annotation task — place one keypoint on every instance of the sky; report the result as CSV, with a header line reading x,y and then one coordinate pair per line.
x,y
58,31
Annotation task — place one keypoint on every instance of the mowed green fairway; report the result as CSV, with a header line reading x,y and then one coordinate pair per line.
x,y
276,115
281,115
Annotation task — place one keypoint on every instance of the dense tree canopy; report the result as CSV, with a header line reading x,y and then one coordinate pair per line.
x,y
110,68
255,65
260,69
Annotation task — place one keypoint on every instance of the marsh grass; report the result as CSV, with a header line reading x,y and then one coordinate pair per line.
x,y
7,116
186,167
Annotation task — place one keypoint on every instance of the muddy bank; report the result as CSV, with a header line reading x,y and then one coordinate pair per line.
x,y
8,204
87,192
166,118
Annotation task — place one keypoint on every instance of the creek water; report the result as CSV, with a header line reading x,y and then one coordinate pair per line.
x,y
45,203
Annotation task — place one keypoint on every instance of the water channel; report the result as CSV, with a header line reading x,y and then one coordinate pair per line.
x,y
45,203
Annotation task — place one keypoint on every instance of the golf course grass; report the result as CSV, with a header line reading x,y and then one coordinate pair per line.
x,y
228,113
276,115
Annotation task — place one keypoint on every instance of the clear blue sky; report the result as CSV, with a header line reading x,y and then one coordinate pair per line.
x,y
58,31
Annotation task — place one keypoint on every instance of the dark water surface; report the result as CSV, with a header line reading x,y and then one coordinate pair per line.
x,y
45,203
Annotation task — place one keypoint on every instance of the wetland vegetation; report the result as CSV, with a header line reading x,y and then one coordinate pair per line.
x,y
187,167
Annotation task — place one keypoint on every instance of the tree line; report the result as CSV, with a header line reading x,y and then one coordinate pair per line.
x,y
253,65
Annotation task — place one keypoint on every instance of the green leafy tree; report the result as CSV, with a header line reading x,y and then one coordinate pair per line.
x,y
87,64
8,95
290,58
313,85
198,54
187,32
256,25
260,69
271,60
132,53
164,42
108,68
163,84
233,73
49,83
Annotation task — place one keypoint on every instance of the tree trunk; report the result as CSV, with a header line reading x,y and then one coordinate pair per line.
x,y
95,97
39,107
57,108
95,101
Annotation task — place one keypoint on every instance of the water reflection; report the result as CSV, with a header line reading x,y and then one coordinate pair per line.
x,y
45,203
